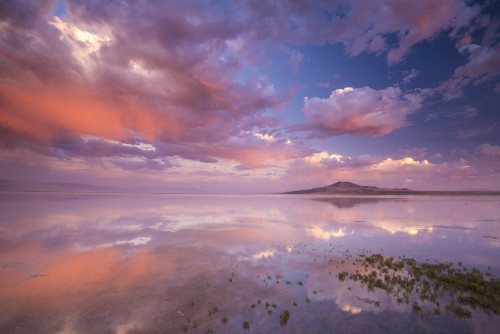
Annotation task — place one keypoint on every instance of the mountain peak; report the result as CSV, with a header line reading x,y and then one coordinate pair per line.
x,y
344,184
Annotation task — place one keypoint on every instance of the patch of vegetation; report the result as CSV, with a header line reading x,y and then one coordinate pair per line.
x,y
246,325
404,277
224,320
284,316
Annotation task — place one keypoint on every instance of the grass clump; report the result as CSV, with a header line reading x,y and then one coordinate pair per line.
x,y
246,325
284,316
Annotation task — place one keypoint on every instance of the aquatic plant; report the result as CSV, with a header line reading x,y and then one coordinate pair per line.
x,y
308,300
299,282
246,325
252,306
184,328
284,316
209,331
294,303
224,320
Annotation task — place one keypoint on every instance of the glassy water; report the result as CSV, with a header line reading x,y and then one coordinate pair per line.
x,y
135,263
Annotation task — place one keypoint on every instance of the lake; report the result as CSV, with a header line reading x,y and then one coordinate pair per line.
x,y
150,263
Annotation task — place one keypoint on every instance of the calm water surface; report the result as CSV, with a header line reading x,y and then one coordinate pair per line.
x,y
129,263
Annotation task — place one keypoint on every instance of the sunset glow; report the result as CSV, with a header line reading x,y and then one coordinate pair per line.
x,y
249,96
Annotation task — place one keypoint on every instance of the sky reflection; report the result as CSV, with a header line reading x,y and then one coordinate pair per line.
x,y
134,263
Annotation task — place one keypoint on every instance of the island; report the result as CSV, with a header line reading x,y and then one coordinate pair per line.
x,y
349,188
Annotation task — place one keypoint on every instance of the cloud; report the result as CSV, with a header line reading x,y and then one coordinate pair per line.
x,y
168,80
465,112
296,59
483,66
410,75
367,25
489,149
475,132
360,111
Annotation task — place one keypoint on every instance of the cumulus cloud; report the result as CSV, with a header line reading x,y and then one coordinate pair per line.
x,y
360,111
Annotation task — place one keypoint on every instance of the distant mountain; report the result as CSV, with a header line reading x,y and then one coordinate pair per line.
x,y
349,188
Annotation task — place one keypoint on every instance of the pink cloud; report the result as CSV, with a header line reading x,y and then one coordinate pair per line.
x,y
475,132
364,25
483,66
360,111
489,149
167,79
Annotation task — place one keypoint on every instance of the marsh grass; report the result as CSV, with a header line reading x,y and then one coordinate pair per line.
x,y
405,277
284,316
246,325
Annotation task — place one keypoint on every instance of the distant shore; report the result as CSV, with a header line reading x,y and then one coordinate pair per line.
x,y
348,188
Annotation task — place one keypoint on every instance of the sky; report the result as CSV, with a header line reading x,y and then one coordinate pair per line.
x,y
250,96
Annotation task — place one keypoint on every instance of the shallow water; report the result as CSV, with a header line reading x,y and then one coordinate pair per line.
x,y
135,263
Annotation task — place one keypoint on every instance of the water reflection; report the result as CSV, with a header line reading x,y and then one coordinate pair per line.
x,y
74,263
